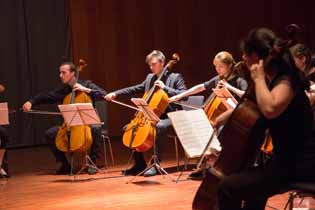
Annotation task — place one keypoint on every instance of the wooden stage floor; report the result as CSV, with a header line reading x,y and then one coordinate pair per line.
x,y
33,186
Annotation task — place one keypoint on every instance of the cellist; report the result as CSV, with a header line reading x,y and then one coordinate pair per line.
x,y
280,97
172,83
67,74
224,65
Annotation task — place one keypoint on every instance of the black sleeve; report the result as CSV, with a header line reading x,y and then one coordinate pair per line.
x,y
179,86
96,91
52,97
210,84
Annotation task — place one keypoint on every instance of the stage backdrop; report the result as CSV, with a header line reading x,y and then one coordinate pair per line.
x,y
115,36
34,38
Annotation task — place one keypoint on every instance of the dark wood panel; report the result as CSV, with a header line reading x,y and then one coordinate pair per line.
x,y
115,36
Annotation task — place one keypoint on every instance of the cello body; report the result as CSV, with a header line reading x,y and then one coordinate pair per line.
x,y
240,139
80,135
214,108
140,132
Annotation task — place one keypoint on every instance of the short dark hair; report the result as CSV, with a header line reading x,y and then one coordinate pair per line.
x,y
73,67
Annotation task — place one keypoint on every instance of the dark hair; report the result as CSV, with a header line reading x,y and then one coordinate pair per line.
x,y
264,43
73,67
300,50
260,41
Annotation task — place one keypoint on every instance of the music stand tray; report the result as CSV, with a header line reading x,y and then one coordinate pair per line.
x,y
154,162
80,114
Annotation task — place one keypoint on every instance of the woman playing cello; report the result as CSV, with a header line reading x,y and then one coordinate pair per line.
x,y
281,99
224,65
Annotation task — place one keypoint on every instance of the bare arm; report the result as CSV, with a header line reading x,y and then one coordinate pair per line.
x,y
271,102
195,89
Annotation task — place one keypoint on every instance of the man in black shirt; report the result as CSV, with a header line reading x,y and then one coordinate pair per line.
x,y
69,80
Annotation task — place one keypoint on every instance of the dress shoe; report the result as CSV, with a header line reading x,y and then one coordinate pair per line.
x,y
135,169
151,172
198,174
64,169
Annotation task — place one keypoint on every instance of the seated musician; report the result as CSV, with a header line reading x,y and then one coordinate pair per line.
x,y
223,62
172,83
305,62
224,65
68,77
4,138
280,96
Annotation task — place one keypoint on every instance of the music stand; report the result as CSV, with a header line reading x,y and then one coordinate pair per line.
x,y
150,115
80,114
4,120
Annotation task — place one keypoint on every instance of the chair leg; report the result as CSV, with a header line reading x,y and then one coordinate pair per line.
x,y
110,150
176,151
106,138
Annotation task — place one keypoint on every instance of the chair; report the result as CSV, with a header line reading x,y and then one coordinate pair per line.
x,y
195,101
300,190
101,107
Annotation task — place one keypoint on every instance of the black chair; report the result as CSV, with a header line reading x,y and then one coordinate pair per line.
x,y
300,190
101,108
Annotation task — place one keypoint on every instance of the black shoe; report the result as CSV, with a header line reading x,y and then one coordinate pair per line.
x,y
65,168
198,174
135,169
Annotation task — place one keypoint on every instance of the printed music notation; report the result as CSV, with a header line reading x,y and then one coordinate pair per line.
x,y
194,131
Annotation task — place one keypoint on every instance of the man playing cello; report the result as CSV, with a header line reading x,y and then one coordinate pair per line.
x,y
68,77
172,84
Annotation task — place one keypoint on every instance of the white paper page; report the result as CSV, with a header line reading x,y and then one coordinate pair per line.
x,y
193,130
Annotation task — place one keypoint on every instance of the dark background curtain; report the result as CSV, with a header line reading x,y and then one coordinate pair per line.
x,y
115,36
34,38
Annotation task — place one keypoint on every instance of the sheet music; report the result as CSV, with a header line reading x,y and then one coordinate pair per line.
x,y
193,130
4,113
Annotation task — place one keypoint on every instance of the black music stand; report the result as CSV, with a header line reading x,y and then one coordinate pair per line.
x,y
150,115
80,114
4,120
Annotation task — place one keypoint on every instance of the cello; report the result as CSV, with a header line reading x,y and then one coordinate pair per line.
x,y
75,138
240,138
140,133
213,106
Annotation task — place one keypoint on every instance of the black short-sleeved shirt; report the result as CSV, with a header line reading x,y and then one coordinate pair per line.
x,y
236,81
291,132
